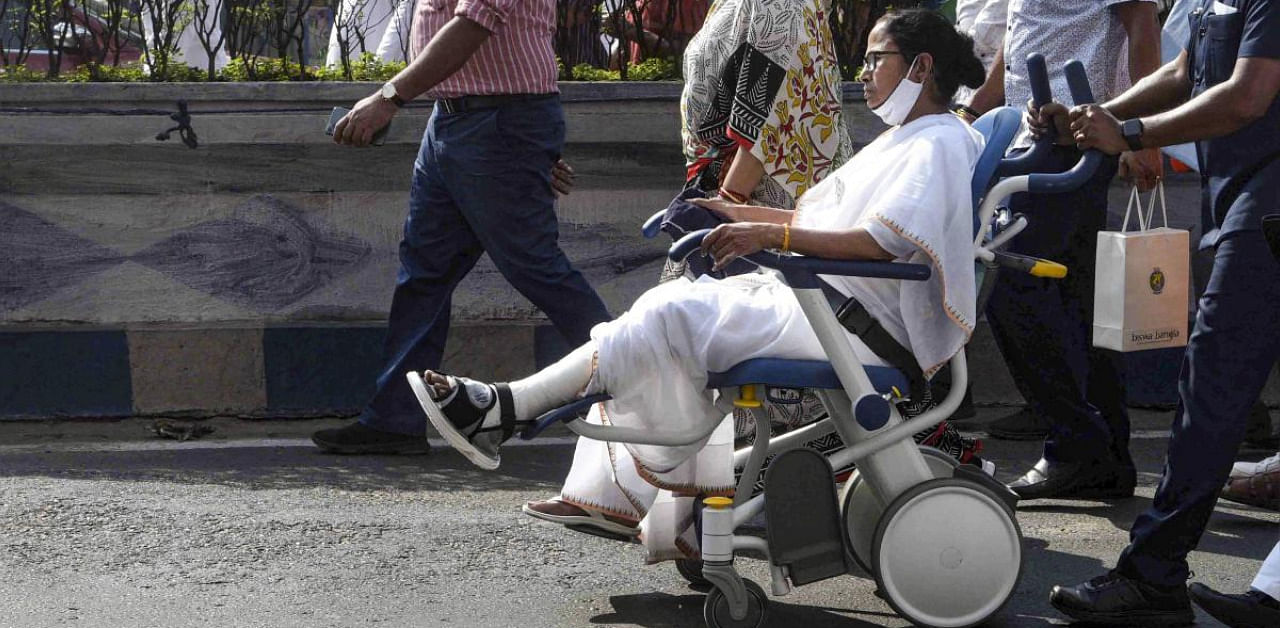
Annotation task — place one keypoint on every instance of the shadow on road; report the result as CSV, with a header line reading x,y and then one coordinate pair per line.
x,y
663,610
270,468
1228,533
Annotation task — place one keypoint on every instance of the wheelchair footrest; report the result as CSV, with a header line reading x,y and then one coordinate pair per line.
x,y
804,517
563,414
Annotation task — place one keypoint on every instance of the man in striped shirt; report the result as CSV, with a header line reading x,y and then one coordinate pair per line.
x,y
482,182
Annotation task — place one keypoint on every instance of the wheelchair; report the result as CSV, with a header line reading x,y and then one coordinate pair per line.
x,y
940,539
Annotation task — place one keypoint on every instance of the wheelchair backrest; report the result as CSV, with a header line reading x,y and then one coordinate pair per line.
x,y
998,127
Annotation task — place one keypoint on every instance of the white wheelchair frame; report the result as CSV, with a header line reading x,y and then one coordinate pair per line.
x,y
943,544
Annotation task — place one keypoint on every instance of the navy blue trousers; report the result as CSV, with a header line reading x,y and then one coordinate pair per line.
x,y
1044,327
1230,352
481,184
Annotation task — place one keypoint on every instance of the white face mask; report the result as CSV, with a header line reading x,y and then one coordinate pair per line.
x,y
895,108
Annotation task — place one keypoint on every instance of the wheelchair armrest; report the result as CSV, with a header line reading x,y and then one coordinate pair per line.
x,y
563,414
801,271
653,226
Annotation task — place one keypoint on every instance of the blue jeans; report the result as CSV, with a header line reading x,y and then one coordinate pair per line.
x,y
1235,343
481,184
1044,327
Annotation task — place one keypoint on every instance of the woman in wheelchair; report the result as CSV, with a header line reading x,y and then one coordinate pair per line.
x,y
906,196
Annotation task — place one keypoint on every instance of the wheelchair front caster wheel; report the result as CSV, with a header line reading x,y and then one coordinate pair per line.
x,y
716,609
947,554
691,570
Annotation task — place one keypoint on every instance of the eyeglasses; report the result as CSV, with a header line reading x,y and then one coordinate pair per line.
x,y
872,60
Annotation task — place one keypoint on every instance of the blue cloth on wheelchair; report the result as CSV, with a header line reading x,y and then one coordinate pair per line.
x,y
803,374
683,217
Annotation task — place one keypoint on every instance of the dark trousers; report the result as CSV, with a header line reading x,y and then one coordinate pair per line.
x,y
1232,348
1044,327
481,184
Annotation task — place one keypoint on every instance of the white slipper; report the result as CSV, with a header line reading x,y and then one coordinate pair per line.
x,y
445,427
592,518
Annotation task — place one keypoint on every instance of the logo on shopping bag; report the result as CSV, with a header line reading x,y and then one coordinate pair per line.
x,y
1156,280
1155,336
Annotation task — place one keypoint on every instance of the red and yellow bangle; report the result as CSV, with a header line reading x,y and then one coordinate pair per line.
x,y
733,196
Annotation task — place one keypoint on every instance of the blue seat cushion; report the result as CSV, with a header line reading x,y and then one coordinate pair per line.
x,y
802,374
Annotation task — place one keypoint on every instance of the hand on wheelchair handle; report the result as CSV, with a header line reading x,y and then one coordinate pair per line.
x,y
1093,127
1051,119
733,240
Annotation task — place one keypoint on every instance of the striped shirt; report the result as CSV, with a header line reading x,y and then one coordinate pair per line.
x,y
518,58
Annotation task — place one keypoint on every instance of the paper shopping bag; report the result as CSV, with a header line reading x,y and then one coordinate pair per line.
x,y
1141,283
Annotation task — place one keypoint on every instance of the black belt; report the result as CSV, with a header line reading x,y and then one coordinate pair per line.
x,y
858,320
463,104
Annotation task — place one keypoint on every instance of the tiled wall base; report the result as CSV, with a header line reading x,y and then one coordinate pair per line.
x,y
328,370
273,371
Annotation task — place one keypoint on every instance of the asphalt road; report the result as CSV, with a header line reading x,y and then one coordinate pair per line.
x,y
104,525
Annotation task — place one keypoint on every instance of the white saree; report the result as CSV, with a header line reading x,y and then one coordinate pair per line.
x,y
910,190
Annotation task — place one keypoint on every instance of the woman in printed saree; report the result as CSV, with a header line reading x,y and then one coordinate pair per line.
x,y
761,124
904,197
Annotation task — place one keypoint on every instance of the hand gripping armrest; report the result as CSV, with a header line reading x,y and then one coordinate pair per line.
x,y
802,271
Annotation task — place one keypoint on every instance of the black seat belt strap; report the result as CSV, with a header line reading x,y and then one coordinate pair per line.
x,y
854,317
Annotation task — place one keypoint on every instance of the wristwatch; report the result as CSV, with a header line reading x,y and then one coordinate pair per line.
x,y
1131,129
388,92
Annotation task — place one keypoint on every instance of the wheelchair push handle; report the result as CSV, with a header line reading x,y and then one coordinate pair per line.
x,y
1092,159
1078,83
1038,76
1041,93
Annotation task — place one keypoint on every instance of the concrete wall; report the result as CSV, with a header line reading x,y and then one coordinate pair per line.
x,y
252,275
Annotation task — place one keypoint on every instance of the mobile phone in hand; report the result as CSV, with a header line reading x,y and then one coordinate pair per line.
x,y
379,138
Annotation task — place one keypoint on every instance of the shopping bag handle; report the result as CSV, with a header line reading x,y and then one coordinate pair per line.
x,y
1146,219
1151,206
1135,200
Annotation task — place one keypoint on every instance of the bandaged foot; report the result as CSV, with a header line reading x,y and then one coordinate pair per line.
x,y
474,417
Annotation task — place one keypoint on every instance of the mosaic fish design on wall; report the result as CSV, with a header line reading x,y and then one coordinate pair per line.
x,y
266,257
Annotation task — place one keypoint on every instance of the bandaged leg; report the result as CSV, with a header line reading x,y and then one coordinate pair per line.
x,y
555,385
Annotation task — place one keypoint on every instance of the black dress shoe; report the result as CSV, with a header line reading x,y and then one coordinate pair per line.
x,y
1070,480
1114,600
1254,609
1025,424
359,438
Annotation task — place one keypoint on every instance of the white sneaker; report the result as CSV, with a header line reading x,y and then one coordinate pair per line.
x,y
1248,469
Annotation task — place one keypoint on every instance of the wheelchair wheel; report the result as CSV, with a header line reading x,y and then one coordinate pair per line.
x,y
691,570
715,611
860,510
947,554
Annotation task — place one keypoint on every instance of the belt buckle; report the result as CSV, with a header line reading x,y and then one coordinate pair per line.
x,y
447,104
